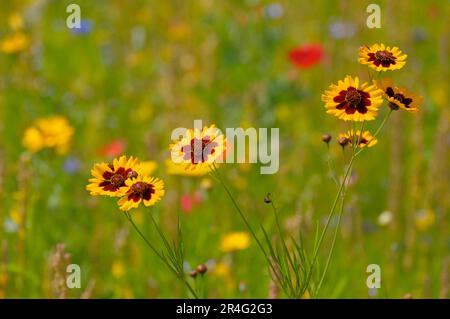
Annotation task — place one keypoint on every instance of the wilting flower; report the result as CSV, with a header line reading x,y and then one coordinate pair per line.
x,y
363,140
49,132
351,102
306,56
14,43
110,179
235,241
381,58
144,189
198,150
400,97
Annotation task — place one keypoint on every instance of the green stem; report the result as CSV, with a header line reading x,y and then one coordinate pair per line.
x,y
330,215
220,179
179,275
341,210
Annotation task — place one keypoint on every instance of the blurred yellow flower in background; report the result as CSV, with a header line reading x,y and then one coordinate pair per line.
x,y
424,219
15,22
148,167
49,132
117,269
235,241
14,43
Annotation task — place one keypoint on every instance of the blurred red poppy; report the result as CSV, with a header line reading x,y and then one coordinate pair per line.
x,y
306,56
113,149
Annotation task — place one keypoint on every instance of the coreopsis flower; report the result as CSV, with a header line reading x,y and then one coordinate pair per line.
x,y
382,58
349,101
14,43
143,189
110,179
49,132
363,140
198,150
306,56
235,241
400,97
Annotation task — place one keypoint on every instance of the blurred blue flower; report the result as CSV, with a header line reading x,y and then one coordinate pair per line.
x,y
85,27
71,165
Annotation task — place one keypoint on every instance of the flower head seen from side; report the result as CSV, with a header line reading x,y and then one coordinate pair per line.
x,y
349,101
110,179
143,189
382,58
49,132
400,97
363,140
198,150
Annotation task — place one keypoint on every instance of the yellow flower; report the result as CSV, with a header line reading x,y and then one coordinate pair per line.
x,y
400,97
235,241
197,151
424,219
381,58
144,189
117,269
33,139
148,167
182,169
366,139
109,179
14,43
351,102
49,132
15,21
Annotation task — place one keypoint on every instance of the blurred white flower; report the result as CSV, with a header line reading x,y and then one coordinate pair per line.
x,y
274,11
385,218
341,30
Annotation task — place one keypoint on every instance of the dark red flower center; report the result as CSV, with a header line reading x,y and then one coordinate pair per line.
x,y
140,190
383,57
116,179
352,100
199,150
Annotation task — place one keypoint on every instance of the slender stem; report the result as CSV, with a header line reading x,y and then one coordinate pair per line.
x,y
164,260
220,179
378,130
330,215
341,210
331,166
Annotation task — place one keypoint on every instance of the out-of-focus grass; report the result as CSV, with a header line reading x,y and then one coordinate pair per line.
x,y
144,68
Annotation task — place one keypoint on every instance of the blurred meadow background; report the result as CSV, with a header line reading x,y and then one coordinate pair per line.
x,y
138,69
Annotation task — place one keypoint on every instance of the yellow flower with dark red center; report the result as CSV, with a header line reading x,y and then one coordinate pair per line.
x,y
143,189
235,241
400,97
197,151
109,179
382,58
363,140
349,101
14,43
49,132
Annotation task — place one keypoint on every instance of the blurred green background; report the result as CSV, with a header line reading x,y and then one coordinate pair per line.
x,y
138,69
